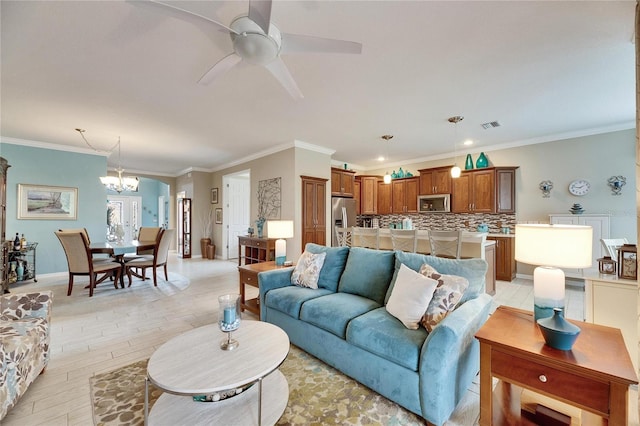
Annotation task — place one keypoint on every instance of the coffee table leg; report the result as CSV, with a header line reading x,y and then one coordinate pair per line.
x,y
146,401
260,402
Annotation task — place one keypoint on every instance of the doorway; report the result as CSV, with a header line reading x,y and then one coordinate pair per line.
x,y
125,211
236,202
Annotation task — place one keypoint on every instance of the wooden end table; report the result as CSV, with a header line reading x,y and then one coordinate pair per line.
x,y
594,375
249,276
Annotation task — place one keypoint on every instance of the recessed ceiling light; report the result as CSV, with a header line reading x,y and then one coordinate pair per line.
x,y
468,142
381,158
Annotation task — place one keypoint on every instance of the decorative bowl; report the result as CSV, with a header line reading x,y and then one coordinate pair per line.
x,y
557,331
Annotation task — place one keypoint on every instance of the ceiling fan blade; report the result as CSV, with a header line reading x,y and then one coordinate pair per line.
x,y
260,13
189,16
282,74
222,66
296,43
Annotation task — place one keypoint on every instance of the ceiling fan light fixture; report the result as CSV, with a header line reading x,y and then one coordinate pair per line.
x,y
252,44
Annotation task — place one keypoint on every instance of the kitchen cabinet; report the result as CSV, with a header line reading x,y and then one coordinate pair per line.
x,y
505,257
384,197
368,194
600,223
342,182
435,181
314,224
404,195
357,189
490,190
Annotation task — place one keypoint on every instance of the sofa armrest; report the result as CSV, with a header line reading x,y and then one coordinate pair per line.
x,y
270,280
26,305
450,358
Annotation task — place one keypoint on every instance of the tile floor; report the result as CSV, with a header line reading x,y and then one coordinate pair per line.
x,y
117,327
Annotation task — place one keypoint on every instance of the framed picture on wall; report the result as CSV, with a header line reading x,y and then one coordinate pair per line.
x,y
218,215
214,195
47,202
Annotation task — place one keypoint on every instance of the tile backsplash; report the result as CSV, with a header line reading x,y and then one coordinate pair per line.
x,y
447,221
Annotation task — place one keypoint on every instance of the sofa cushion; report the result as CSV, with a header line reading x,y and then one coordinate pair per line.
x,y
307,270
447,294
333,264
380,333
368,273
473,270
334,311
410,297
290,299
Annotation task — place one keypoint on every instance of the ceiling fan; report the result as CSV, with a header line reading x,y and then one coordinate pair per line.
x,y
257,40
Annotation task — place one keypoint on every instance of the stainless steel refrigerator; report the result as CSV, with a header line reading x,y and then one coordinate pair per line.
x,y
343,214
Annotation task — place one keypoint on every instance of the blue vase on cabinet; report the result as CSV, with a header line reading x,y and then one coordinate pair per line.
x,y
468,164
482,161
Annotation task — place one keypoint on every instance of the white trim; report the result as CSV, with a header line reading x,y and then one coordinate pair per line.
x,y
55,147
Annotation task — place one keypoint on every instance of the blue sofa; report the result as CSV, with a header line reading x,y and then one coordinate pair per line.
x,y
344,323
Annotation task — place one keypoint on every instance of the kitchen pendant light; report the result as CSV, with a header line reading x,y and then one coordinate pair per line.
x,y
387,177
455,170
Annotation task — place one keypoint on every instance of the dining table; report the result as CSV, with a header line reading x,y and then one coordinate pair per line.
x,y
118,249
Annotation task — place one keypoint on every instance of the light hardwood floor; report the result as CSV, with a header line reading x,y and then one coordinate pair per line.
x,y
117,327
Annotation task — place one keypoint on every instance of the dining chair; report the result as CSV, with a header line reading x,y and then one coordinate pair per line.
x,y
611,245
79,261
343,235
404,239
366,237
147,233
85,235
446,243
159,258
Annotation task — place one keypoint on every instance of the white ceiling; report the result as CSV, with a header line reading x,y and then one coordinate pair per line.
x,y
543,69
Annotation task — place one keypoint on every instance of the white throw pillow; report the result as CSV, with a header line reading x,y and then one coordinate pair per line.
x,y
307,270
410,296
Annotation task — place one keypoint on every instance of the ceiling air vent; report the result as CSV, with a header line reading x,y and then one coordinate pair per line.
x,y
490,125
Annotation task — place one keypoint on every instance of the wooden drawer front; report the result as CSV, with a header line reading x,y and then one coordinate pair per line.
x,y
244,241
258,244
571,387
249,278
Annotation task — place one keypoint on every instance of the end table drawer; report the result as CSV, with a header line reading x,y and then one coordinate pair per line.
x,y
580,390
249,278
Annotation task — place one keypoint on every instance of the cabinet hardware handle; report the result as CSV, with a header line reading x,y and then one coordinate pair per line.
x,y
542,378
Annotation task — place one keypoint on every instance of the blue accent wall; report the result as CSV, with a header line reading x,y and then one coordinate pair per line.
x,y
38,166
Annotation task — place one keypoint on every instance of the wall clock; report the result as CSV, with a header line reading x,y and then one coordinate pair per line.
x,y
579,187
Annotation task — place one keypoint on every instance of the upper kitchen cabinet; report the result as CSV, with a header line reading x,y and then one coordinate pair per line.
x,y
490,190
435,181
368,194
384,197
342,182
404,195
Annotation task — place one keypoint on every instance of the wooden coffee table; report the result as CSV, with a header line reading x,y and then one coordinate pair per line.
x,y
594,375
193,364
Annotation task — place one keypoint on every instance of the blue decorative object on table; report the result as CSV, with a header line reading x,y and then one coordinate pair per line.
x,y
557,331
229,319
482,161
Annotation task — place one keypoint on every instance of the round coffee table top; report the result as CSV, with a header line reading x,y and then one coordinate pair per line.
x,y
192,363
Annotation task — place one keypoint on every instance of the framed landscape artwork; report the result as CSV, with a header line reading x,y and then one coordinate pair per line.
x,y
47,202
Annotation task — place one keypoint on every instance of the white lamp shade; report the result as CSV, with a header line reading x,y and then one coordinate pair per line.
x,y
280,228
563,246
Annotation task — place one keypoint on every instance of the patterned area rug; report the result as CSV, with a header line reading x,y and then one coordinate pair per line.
x,y
318,394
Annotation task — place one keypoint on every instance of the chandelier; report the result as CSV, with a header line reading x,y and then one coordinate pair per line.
x,y
120,183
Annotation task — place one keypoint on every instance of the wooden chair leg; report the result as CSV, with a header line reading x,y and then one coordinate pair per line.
x,y
115,279
70,284
155,277
92,284
166,277
129,275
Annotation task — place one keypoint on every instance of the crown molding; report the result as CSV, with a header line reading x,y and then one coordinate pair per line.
x,y
55,147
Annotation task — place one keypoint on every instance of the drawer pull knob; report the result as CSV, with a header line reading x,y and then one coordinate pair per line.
x,y
543,378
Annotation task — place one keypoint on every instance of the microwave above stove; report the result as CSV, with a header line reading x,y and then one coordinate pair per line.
x,y
439,203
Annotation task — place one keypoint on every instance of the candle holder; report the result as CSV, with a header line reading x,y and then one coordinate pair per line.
x,y
229,319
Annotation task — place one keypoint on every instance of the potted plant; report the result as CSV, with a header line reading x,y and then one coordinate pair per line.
x,y
206,222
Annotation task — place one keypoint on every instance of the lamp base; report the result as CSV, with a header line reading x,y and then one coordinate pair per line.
x,y
280,260
548,291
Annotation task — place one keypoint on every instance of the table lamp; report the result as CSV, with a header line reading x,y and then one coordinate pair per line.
x,y
280,229
551,247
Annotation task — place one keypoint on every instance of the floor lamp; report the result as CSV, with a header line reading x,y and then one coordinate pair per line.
x,y
280,229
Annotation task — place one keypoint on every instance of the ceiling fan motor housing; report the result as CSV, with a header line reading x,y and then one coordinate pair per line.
x,y
252,44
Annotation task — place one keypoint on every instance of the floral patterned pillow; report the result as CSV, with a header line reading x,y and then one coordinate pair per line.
x,y
307,270
446,297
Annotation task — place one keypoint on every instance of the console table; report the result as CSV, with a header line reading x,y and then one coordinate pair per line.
x,y
256,249
594,375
